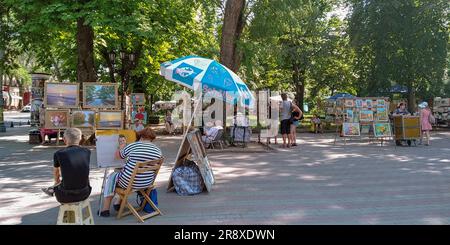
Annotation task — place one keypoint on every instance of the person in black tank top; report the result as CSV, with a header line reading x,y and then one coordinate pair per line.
x,y
296,115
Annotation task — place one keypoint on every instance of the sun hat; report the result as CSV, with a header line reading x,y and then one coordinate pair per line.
x,y
423,105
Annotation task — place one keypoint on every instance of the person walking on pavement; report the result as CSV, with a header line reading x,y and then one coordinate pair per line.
x,y
426,119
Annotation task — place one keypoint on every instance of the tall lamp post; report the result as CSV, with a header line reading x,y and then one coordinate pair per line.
x,y
128,62
2,123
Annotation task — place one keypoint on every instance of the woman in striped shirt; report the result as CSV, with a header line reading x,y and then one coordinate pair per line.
x,y
141,151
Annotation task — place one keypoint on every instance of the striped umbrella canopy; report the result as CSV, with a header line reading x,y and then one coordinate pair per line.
x,y
196,73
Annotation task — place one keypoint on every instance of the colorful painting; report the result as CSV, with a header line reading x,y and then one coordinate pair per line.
x,y
351,129
381,103
83,119
100,95
109,120
349,103
369,103
61,95
366,116
382,114
139,114
138,99
56,119
358,103
382,130
350,115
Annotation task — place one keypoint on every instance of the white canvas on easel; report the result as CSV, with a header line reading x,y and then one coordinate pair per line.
x,y
106,148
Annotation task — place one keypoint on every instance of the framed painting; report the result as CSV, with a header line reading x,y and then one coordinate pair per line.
x,y
83,119
381,103
139,114
100,95
382,114
369,103
366,116
110,120
382,129
351,129
358,103
61,95
349,103
138,99
350,115
57,119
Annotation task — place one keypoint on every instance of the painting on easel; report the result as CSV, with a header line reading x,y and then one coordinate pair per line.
x,y
349,103
382,114
350,129
382,129
366,116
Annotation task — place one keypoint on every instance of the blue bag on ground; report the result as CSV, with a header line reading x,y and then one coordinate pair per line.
x,y
187,179
153,196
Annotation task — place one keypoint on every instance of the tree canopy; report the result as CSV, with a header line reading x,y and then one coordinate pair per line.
x,y
302,46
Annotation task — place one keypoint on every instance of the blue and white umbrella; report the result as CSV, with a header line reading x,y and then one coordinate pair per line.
x,y
196,73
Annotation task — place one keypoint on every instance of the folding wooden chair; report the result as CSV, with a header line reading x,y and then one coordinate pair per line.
x,y
141,167
218,139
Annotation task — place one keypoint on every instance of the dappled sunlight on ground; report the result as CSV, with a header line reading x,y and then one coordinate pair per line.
x,y
315,183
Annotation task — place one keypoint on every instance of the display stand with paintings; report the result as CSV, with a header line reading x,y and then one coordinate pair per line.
x,y
366,112
192,148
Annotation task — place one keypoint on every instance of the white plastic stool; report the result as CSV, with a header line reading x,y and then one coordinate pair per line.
x,y
72,213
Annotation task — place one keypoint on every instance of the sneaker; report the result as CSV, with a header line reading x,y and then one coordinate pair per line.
x,y
49,191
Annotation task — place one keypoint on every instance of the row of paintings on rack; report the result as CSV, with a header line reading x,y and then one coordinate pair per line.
x,y
365,103
366,115
96,95
61,119
354,129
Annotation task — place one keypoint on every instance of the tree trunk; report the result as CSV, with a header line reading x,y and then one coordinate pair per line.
x,y
233,25
85,49
299,81
411,98
21,92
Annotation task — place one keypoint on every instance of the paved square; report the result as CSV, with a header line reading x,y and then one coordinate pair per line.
x,y
314,183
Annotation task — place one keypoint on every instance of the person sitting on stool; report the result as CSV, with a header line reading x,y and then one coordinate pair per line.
x,y
72,164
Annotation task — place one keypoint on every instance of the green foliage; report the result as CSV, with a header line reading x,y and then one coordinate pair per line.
x,y
400,42
287,34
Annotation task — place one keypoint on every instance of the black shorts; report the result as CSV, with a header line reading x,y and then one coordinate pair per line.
x,y
286,126
63,196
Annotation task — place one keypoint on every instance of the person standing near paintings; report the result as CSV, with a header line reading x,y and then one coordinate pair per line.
x,y
286,112
426,118
296,116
